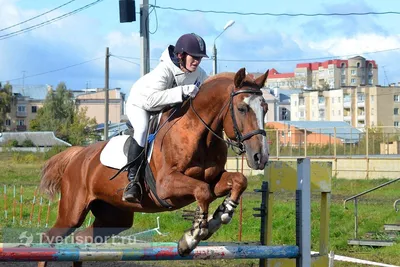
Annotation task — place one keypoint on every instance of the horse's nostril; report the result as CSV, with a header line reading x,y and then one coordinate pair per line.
x,y
257,157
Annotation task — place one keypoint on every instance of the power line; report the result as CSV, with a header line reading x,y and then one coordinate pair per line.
x,y
279,14
121,58
289,59
35,17
55,70
12,34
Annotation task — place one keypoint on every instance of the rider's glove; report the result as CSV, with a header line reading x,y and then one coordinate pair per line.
x,y
190,90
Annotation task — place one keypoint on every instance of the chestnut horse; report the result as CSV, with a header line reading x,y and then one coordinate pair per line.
x,y
188,163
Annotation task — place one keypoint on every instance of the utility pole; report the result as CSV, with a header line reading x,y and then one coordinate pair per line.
x,y
214,60
23,83
106,85
144,38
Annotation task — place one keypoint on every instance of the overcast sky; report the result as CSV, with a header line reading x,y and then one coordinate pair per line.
x,y
85,35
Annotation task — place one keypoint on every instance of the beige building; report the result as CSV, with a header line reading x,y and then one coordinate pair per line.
x,y
95,104
361,106
24,108
330,74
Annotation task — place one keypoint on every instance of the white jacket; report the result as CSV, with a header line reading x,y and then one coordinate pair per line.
x,y
162,86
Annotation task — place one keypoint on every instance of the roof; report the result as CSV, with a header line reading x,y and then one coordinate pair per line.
x,y
38,92
344,131
39,139
337,62
273,73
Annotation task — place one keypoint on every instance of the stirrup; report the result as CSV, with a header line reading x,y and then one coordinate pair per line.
x,y
130,197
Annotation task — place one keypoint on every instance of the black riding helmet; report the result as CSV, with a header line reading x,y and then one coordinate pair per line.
x,y
191,44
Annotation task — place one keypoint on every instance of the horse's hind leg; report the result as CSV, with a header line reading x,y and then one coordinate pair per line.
x,y
108,221
236,184
71,215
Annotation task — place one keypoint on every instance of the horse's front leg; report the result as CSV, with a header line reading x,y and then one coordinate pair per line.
x,y
234,183
178,186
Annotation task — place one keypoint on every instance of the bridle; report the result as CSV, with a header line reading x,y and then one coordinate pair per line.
x,y
240,138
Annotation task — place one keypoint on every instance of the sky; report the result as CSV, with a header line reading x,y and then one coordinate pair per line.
x,y
72,49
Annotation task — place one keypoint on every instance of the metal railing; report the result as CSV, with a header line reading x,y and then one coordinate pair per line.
x,y
395,205
355,197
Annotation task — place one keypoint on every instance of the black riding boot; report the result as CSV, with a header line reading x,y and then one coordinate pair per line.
x,y
133,191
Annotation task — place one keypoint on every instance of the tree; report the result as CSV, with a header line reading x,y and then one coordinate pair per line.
x,y
60,115
5,103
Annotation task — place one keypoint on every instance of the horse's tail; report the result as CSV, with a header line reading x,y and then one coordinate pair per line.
x,y
53,171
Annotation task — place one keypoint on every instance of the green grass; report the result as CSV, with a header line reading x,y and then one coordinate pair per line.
x,y
374,210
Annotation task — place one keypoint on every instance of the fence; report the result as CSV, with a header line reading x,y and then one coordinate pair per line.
x,y
334,142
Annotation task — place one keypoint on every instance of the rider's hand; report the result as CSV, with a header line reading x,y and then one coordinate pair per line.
x,y
190,90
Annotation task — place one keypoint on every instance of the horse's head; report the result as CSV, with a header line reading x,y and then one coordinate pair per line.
x,y
245,124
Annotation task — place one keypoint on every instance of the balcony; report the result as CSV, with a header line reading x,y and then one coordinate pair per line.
x,y
21,128
21,114
347,118
361,117
360,103
347,104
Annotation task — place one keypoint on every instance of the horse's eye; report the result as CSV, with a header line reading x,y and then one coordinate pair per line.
x,y
242,109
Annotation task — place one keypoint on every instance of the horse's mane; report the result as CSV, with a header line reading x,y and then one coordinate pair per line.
x,y
229,76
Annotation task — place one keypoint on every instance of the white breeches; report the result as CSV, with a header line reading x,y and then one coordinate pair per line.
x,y
139,119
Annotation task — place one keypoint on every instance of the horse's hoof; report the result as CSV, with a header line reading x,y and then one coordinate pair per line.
x,y
183,247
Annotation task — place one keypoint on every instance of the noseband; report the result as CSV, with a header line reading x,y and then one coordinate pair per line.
x,y
240,138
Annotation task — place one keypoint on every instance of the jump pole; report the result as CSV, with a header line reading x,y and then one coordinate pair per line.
x,y
146,252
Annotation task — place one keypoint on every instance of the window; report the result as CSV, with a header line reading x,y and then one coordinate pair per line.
x,y
353,72
372,99
339,113
333,100
301,114
338,99
8,122
343,65
370,81
353,80
343,81
333,112
34,109
358,64
396,124
21,108
21,122
313,114
396,111
284,114
396,98
295,103
312,101
372,111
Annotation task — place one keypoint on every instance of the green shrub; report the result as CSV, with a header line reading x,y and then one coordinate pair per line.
x,y
53,151
27,143
12,143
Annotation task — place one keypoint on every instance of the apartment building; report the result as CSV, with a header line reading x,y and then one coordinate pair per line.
x,y
27,101
328,74
361,106
278,104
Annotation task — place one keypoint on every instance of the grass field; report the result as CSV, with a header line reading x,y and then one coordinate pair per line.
x,y
375,209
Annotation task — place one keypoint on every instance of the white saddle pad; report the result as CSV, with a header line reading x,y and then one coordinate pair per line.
x,y
113,153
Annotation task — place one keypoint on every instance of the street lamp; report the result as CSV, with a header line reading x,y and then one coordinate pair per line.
x,y
228,24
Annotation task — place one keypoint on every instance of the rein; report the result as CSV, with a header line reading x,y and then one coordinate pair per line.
x,y
240,138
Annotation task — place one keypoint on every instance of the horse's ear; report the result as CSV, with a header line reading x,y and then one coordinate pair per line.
x,y
239,77
260,81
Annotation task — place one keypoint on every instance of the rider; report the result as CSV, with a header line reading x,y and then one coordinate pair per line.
x,y
177,77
